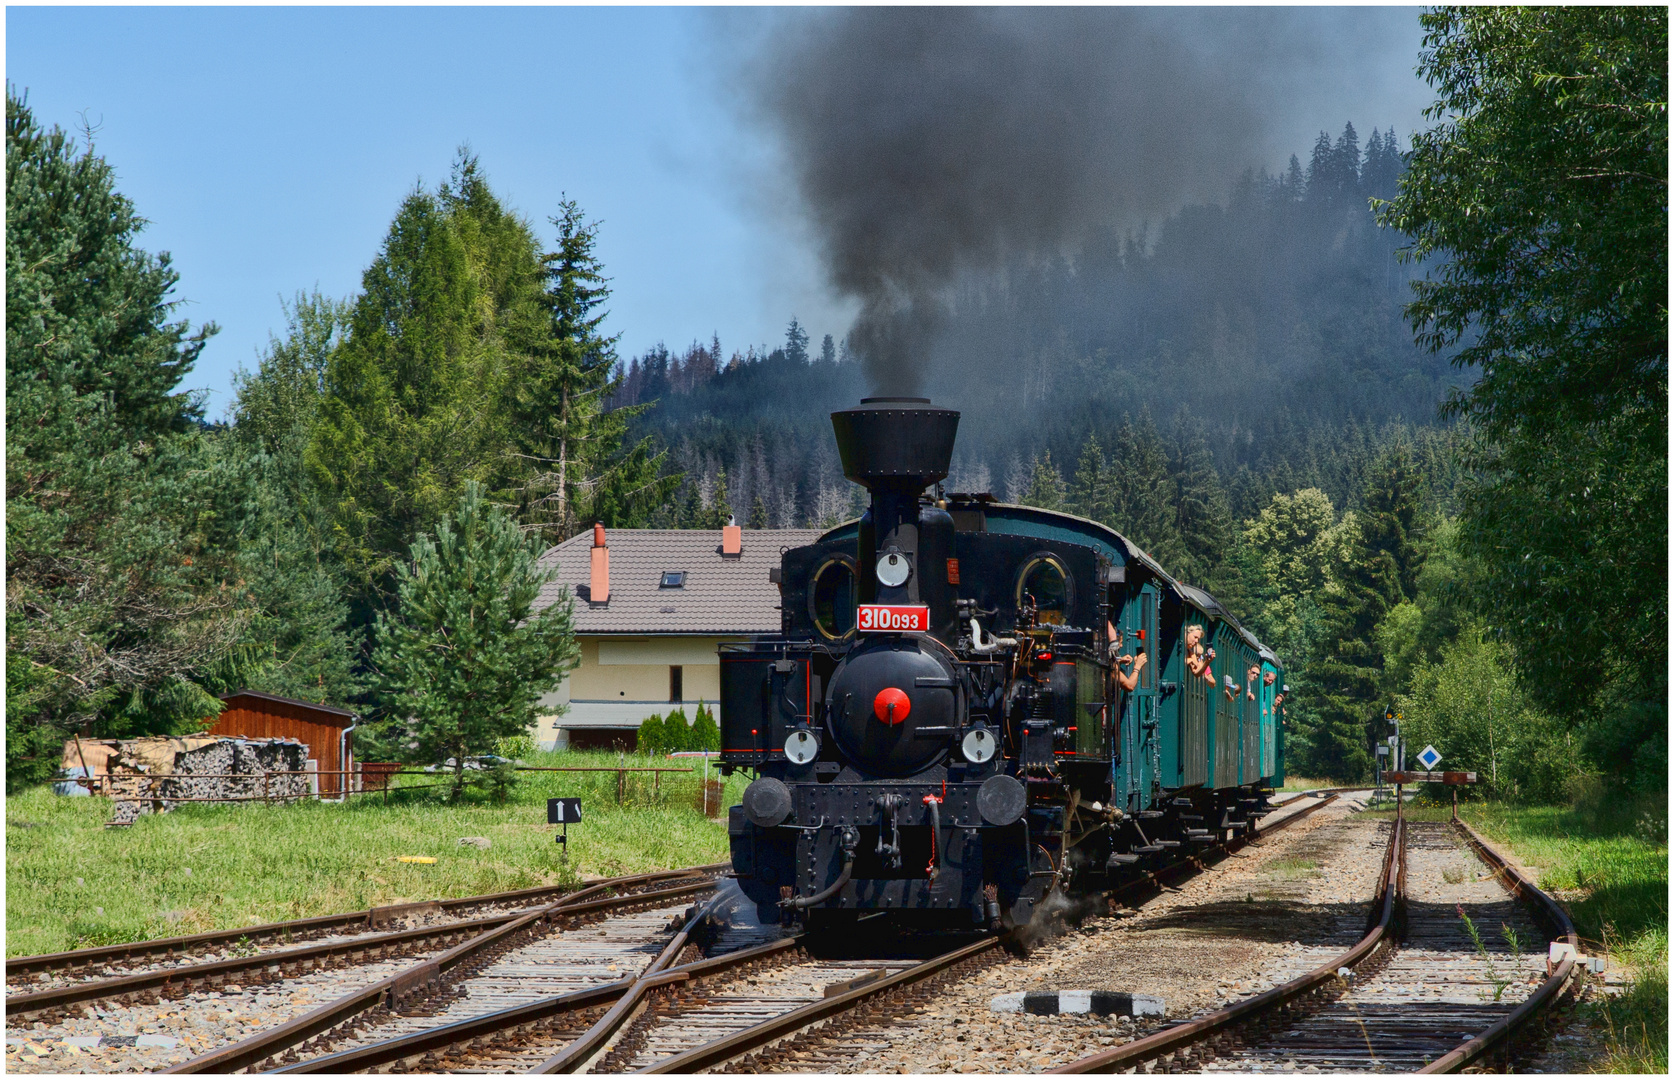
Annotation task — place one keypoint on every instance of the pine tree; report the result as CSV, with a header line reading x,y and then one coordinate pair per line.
x,y
465,658
758,513
562,424
120,560
828,351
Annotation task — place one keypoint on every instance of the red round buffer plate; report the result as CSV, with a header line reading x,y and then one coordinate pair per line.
x,y
892,705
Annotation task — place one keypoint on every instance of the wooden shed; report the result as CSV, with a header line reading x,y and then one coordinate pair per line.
x,y
249,714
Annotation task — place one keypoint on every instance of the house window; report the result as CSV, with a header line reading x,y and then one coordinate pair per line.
x,y
676,677
673,579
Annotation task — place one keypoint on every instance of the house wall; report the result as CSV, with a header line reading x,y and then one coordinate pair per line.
x,y
621,681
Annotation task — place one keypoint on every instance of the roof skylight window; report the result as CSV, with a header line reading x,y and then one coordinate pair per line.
x,y
673,579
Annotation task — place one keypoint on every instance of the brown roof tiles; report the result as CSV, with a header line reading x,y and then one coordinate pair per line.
x,y
721,595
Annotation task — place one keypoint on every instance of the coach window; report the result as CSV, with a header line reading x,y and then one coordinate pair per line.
x,y
833,599
1045,579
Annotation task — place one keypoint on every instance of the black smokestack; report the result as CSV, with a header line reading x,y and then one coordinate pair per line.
x,y
930,144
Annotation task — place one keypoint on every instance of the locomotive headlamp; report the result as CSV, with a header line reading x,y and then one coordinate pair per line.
x,y
978,746
893,569
802,747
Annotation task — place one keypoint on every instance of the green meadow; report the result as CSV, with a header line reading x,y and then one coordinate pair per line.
x,y
71,882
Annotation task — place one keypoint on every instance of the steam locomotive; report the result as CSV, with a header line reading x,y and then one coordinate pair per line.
x,y
954,721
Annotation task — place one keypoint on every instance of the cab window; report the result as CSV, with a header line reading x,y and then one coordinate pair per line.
x,y
1045,579
833,599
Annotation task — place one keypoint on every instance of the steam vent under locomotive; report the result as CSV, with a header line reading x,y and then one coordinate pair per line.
x,y
954,723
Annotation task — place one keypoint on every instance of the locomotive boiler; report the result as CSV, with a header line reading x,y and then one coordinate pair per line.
x,y
971,705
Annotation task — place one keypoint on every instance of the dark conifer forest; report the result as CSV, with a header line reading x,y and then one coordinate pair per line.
x,y
1268,329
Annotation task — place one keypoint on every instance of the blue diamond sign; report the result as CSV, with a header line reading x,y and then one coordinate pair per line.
x,y
1429,757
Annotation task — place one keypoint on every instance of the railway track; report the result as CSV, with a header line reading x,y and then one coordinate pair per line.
x,y
525,991
551,951
174,967
614,1019
100,961
777,1020
1421,991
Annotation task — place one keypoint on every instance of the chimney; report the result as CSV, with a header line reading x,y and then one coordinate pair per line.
x,y
732,541
598,581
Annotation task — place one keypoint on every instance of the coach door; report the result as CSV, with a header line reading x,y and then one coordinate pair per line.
x,y
1194,719
1269,735
1141,746
1145,698
1249,699
1223,713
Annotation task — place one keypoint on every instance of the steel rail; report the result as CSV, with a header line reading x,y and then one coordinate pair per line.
x,y
1546,995
404,984
594,1043
1391,883
429,1041
315,925
215,973
793,1022
588,1048
797,1020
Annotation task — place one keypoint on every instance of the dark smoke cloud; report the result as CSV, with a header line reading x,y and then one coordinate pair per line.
x,y
930,144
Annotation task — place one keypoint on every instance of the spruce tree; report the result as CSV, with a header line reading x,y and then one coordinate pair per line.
x,y
564,430
1143,492
1091,494
796,342
1378,570
1046,485
1203,516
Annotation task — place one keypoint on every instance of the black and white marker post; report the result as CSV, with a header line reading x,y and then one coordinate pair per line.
x,y
562,812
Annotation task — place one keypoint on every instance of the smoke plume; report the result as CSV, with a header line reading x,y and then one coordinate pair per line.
x,y
932,144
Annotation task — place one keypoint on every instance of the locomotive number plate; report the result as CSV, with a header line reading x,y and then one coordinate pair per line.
x,y
893,618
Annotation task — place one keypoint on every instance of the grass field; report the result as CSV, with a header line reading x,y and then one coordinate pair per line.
x,y
1306,783
70,882
1608,863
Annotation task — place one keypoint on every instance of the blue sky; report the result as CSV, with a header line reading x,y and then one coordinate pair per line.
x,y
269,147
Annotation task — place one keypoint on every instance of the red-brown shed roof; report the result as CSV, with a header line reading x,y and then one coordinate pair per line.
x,y
330,713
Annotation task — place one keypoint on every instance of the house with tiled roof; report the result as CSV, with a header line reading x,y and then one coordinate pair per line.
x,y
651,608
